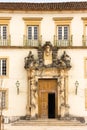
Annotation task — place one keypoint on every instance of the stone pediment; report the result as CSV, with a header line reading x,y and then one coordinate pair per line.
x,y
48,58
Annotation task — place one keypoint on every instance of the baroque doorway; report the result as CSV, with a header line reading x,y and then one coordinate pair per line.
x,y
47,99
47,86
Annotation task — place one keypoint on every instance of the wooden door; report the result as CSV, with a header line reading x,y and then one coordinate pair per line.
x,y
46,86
43,105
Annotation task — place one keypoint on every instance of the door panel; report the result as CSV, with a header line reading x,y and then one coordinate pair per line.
x,y
43,100
46,86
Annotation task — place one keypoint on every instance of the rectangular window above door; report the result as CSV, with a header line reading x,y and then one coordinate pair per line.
x,y
32,35
32,32
63,35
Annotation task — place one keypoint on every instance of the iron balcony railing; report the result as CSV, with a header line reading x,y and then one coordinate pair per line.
x,y
5,41
64,42
32,42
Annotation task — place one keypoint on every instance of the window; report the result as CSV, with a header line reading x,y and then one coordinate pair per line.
x,y
3,66
3,98
84,37
4,31
63,32
32,32
63,35
32,35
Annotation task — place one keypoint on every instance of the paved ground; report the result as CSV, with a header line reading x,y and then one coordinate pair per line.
x,y
9,127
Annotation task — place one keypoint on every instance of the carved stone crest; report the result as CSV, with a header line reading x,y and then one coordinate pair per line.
x,y
47,57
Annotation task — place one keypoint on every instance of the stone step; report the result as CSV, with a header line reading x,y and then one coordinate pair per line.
x,y
50,122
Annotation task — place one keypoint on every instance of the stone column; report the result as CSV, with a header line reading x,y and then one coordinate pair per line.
x,y
66,92
62,94
28,107
59,102
33,96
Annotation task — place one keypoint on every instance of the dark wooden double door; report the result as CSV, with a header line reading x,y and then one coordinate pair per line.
x,y
47,98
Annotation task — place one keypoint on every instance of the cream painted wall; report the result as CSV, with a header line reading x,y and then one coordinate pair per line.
x,y
17,103
77,102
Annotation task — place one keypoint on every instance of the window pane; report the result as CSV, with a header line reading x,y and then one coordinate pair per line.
x,y
35,33
4,32
29,32
63,32
66,33
59,33
32,32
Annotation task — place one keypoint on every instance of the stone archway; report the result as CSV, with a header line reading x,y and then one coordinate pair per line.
x,y
61,90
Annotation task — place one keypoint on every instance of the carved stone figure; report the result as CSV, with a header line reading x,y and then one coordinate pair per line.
x,y
66,59
29,60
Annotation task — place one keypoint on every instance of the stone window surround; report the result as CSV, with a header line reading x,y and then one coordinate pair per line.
x,y
5,21
61,21
32,21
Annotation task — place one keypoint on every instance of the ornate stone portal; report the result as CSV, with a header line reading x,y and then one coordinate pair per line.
x,y
47,66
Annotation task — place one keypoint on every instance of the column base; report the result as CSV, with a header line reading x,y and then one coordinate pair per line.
x,y
28,117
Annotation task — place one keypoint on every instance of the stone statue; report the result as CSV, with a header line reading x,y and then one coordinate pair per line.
x,y
66,59
29,60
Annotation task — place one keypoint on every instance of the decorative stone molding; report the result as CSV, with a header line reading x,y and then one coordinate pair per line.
x,y
47,57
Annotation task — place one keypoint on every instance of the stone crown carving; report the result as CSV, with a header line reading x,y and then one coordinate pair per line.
x,y
47,57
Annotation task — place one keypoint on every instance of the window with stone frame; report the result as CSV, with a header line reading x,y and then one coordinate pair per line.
x,y
4,31
32,36
32,32
84,36
3,98
63,35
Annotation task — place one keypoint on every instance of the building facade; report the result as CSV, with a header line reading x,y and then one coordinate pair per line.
x,y
43,59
